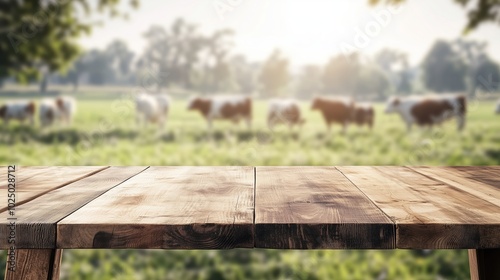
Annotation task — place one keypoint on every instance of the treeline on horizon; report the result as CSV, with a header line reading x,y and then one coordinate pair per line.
x,y
181,57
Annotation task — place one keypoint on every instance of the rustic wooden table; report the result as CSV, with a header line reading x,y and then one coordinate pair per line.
x,y
245,207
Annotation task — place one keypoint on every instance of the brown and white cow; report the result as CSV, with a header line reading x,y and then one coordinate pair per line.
x,y
232,108
429,110
21,111
60,109
363,114
334,110
284,111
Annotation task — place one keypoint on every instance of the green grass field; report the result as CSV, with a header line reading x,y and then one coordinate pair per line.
x,y
104,133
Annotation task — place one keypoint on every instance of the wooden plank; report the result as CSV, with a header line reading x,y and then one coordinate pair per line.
x,y
34,181
34,264
429,214
484,264
36,220
168,207
316,208
481,181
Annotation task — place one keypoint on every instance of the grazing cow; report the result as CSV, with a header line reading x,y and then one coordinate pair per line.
x,y
152,108
60,109
285,111
20,111
164,103
335,110
363,114
232,108
429,110
498,107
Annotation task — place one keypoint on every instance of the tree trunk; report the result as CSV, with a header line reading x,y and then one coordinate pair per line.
x,y
43,84
75,84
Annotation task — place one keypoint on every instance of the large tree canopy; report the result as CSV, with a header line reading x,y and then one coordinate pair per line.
x,y
40,34
479,11
274,75
444,69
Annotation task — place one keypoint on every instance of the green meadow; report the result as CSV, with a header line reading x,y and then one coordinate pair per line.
x,y
104,132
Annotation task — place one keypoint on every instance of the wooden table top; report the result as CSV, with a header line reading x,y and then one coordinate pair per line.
x,y
358,207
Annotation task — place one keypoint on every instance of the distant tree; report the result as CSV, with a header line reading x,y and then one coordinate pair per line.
x,y
180,55
340,74
405,85
388,60
309,81
487,76
120,58
371,80
185,45
396,67
274,76
40,34
478,63
217,72
478,12
444,69
157,55
73,75
99,67
244,74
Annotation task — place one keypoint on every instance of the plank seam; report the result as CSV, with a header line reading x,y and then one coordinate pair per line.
x,y
451,186
58,187
394,223
57,222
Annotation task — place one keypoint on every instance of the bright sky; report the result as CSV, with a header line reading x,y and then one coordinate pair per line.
x,y
307,31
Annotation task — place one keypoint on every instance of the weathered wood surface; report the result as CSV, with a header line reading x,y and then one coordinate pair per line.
x,y
484,264
39,264
316,208
168,207
297,207
36,219
480,181
34,181
428,212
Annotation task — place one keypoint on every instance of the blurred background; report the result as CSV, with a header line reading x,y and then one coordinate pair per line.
x,y
103,53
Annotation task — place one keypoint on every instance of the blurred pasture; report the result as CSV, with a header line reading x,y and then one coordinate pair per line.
x,y
104,131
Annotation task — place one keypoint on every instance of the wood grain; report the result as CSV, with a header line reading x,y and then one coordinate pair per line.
x,y
429,213
316,208
484,264
36,219
39,264
34,181
480,181
168,207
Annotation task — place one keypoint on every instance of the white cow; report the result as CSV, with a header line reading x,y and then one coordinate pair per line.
x,y
152,108
20,110
284,111
60,109
429,110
